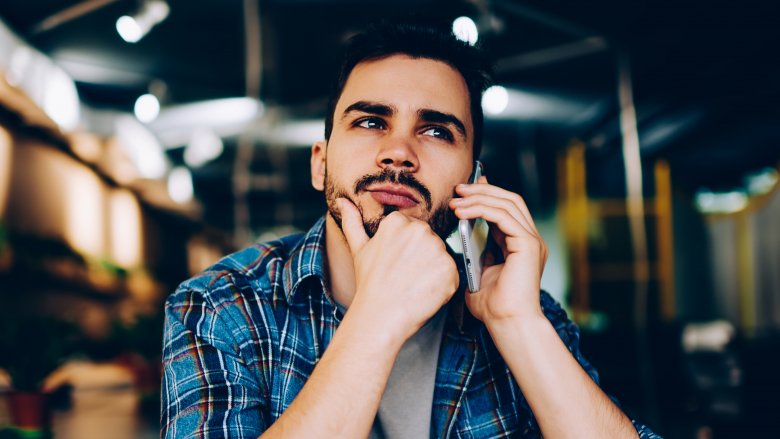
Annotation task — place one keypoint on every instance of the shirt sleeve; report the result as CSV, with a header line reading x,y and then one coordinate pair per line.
x,y
570,334
208,391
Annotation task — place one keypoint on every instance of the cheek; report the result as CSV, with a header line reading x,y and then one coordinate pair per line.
x,y
339,178
448,172
446,194
442,191
348,161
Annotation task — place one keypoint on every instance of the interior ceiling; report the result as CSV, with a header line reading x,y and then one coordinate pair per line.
x,y
705,78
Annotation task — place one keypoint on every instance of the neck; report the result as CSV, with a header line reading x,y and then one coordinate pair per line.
x,y
338,263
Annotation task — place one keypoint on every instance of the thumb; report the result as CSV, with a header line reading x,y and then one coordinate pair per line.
x,y
352,225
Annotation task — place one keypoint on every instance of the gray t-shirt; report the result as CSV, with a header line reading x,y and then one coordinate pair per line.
x,y
405,409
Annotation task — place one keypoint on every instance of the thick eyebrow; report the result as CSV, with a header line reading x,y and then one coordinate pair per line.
x,y
370,108
442,118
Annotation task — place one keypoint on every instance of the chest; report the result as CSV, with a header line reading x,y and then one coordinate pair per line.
x,y
475,395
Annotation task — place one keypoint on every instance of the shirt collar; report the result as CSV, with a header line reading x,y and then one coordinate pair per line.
x,y
305,261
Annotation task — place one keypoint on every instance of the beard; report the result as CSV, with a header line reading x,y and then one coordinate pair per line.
x,y
442,220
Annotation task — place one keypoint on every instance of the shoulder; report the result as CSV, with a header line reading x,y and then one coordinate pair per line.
x,y
254,260
230,303
257,268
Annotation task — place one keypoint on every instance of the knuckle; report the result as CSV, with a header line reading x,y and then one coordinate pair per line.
x,y
394,220
420,227
507,204
394,217
542,246
528,240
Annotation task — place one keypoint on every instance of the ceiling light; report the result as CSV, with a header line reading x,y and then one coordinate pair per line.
x,y
48,85
225,117
204,146
180,185
134,27
61,99
146,108
761,182
297,133
141,146
495,100
465,30
720,202
22,58
544,106
129,29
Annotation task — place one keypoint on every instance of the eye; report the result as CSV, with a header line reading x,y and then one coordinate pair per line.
x,y
371,123
438,132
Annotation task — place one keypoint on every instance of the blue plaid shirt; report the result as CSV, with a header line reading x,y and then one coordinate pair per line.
x,y
242,338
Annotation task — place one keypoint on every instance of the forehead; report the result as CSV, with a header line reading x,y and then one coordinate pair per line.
x,y
408,84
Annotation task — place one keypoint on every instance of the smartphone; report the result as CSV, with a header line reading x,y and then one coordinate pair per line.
x,y
474,237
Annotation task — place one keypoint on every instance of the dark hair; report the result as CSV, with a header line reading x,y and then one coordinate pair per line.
x,y
418,39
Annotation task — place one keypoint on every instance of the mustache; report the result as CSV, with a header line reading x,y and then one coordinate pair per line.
x,y
387,175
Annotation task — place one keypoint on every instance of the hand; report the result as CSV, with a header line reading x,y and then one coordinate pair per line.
x,y
403,275
511,289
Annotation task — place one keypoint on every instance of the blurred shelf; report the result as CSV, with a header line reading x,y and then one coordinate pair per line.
x,y
36,263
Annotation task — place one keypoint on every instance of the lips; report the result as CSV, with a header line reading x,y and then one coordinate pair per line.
x,y
393,196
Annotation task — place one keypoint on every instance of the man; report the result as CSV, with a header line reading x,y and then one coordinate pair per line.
x,y
359,328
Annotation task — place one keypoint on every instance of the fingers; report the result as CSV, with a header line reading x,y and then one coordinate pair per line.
x,y
352,225
461,204
516,236
482,188
476,195
496,215
505,209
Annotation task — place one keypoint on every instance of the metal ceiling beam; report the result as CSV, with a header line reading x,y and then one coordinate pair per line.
x,y
635,203
544,18
552,55
252,48
69,14
242,173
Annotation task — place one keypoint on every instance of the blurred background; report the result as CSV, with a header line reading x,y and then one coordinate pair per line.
x,y
141,140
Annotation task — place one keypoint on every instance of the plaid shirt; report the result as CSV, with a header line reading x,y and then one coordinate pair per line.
x,y
242,338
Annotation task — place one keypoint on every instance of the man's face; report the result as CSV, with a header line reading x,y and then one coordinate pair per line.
x,y
402,139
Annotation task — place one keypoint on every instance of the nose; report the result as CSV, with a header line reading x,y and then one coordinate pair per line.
x,y
398,152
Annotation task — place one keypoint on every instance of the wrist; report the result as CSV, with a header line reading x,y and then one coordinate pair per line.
x,y
379,326
521,313
522,324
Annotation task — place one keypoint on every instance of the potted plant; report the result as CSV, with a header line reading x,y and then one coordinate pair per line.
x,y
30,349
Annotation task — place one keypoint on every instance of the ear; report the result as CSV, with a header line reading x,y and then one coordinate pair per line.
x,y
318,153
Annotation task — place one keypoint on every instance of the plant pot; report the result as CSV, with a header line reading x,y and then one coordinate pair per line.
x,y
29,410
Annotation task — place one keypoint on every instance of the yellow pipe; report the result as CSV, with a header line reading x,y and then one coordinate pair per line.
x,y
665,238
747,300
